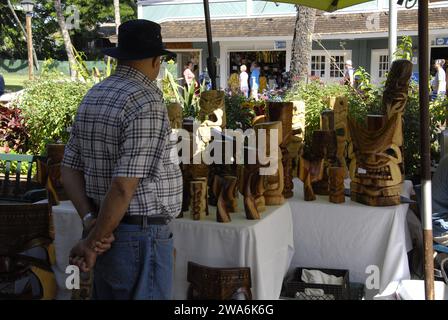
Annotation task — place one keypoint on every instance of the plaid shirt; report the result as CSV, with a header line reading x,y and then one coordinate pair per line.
x,y
122,130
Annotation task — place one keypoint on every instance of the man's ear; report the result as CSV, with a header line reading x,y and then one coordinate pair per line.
x,y
154,61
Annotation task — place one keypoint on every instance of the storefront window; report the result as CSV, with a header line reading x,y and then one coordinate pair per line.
x,y
318,66
337,66
383,66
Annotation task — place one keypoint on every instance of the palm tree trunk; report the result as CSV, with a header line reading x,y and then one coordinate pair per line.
x,y
66,36
36,62
117,15
302,45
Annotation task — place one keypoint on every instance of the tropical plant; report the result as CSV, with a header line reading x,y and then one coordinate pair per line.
x,y
239,112
94,75
187,96
404,49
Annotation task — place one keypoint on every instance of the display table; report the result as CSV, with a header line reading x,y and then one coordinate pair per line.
x,y
351,236
266,246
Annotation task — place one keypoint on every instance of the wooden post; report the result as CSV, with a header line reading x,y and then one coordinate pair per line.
x,y
423,56
30,46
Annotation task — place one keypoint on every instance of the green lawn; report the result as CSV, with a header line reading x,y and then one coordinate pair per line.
x,y
14,82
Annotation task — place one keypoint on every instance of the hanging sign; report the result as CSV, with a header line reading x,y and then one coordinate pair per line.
x,y
442,41
279,45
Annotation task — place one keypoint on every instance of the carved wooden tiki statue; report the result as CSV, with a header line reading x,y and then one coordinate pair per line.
x,y
198,192
336,181
340,109
376,167
274,182
283,111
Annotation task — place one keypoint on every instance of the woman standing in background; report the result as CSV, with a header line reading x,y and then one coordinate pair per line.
x,y
244,81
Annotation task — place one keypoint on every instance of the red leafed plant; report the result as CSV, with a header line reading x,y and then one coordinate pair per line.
x,y
13,132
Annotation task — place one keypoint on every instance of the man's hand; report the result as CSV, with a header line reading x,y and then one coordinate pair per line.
x,y
83,256
103,245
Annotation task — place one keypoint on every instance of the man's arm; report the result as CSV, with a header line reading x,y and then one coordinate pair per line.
x,y
75,187
113,209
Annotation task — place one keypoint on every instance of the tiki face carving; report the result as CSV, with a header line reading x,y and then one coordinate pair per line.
x,y
377,156
376,168
212,112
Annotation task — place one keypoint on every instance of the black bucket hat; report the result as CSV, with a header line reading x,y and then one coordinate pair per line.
x,y
138,39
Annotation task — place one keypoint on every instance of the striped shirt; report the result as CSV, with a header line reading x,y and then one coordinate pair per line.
x,y
122,130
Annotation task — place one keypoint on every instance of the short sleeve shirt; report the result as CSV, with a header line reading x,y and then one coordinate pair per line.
x,y
122,130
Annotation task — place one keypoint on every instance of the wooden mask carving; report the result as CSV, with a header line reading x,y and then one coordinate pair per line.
x,y
376,168
212,109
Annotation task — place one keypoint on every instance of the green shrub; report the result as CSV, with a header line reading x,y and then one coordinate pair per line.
x,y
239,112
49,107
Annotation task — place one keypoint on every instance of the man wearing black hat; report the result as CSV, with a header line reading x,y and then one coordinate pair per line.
x,y
120,176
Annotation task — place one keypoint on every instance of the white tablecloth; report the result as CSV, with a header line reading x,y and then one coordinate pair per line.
x,y
351,236
266,246
68,231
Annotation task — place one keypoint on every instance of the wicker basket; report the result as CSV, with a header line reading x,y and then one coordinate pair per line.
x,y
296,288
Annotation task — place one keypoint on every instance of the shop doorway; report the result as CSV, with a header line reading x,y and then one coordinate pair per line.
x,y
272,65
438,53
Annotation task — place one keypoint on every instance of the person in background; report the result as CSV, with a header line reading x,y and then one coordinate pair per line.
x,y
204,78
255,80
439,82
244,81
188,73
349,74
2,85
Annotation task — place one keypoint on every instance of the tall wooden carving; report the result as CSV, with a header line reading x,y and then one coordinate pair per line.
x,y
198,192
324,147
274,183
339,105
221,189
310,170
336,182
376,167
291,144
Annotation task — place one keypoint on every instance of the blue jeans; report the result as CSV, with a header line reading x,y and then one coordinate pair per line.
x,y
139,265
